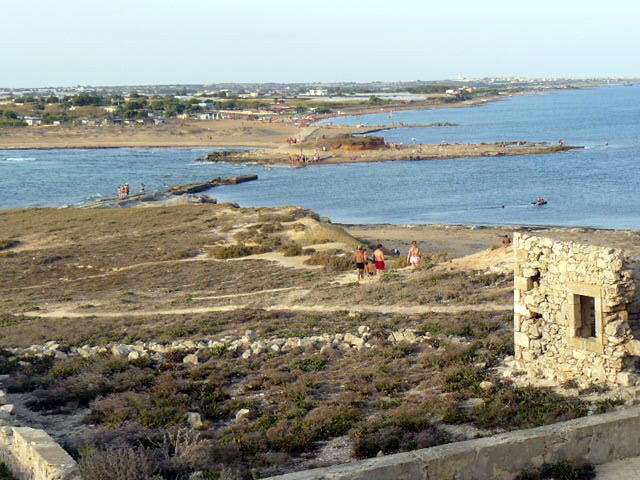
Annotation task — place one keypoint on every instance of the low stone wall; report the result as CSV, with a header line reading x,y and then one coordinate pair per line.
x,y
32,454
596,439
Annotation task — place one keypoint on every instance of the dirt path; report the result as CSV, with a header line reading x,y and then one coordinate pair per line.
x,y
413,310
250,294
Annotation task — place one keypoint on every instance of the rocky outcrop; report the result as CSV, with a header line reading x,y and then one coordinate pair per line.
x,y
203,186
178,195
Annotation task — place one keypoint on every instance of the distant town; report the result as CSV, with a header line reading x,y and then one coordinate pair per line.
x,y
294,102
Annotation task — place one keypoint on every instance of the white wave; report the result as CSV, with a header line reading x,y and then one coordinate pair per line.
x,y
19,159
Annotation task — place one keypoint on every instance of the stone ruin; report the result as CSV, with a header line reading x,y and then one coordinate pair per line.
x,y
576,312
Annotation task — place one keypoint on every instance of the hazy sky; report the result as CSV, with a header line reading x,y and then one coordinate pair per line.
x,y
115,42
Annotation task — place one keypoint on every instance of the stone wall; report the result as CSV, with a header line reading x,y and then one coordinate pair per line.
x,y
596,439
571,312
32,454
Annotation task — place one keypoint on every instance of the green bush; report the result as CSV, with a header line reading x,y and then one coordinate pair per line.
x,y
5,474
291,250
526,407
236,251
403,430
563,470
331,260
4,244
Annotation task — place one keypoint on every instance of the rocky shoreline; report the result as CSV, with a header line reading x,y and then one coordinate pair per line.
x,y
177,195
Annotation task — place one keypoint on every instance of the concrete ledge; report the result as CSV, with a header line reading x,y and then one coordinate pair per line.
x,y
596,439
32,454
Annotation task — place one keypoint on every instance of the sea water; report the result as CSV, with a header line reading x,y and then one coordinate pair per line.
x,y
598,186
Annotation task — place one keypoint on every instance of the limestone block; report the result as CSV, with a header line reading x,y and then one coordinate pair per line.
x,y
521,339
633,347
522,283
626,379
534,331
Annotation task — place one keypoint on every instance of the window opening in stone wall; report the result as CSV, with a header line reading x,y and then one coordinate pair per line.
x,y
586,321
535,280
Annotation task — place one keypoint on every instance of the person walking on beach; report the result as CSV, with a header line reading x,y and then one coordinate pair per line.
x,y
379,258
414,257
360,259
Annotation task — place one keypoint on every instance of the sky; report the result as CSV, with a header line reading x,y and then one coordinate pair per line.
x,y
133,42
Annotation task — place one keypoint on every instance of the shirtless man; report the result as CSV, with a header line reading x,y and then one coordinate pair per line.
x,y
360,258
415,254
379,258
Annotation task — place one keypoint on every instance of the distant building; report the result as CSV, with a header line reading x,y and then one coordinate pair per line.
x,y
32,121
318,92
283,108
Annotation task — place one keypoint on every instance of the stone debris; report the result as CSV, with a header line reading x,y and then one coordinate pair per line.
x,y
245,346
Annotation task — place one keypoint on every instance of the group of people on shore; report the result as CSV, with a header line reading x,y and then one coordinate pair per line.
x,y
300,159
125,190
376,264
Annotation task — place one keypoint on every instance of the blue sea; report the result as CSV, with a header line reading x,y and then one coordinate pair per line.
x,y
598,186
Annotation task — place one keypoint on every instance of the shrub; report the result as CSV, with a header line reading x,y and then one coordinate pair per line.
x,y
235,251
563,470
5,474
527,407
331,260
291,250
403,430
118,464
4,244
180,254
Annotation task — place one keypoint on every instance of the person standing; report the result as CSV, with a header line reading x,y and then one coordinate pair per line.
x,y
414,257
379,258
360,258
143,189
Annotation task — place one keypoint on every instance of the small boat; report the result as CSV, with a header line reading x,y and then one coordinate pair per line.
x,y
541,201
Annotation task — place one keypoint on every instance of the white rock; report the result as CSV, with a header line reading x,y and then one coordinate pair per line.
x,y
486,385
133,355
7,409
194,420
362,329
246,354
119,350
192,359
351,339
242,413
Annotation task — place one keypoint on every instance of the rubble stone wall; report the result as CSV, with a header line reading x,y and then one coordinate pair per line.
x,y
571,312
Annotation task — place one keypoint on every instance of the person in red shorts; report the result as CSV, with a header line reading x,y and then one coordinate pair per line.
x,y
379,258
